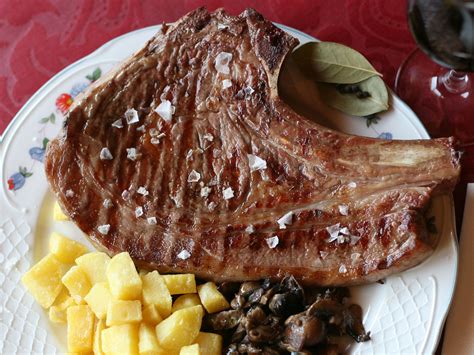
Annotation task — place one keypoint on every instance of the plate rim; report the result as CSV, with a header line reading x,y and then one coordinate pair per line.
x,y
412,117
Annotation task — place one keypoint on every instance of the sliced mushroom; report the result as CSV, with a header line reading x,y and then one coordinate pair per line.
x,y
225,319
353,323
303,330
248,287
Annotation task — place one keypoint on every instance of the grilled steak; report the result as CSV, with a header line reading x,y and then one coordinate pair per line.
x,y
186,157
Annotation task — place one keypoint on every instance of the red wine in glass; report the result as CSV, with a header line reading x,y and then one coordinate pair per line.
x,y
437,80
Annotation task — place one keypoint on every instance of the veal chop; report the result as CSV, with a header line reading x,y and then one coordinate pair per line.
x,y
186,157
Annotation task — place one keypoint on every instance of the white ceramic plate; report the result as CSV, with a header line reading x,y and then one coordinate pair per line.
x,y
405,315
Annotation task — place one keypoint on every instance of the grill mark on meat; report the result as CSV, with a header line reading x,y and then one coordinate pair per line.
x,y
309,168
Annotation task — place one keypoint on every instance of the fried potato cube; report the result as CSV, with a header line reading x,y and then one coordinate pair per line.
x,y
180,329
124,282
148,344
156,292
212,300
43,280
58,312
97,340
121,312
58,214
65,249
120,339
94,265
180,283
183,301
98,299
151,315
190,350
209,343
78,284
80,325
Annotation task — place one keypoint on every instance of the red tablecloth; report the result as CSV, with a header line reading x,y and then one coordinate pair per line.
x,y
39,38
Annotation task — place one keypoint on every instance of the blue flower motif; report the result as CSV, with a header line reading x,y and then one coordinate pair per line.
x,y
385,135
78,88
16,181
37,153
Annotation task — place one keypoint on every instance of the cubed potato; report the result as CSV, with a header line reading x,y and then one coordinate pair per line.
x,y
43,280
148,344
97,341
156,292
209,343
94,265
190,350
212,300
180,283
65,249
151,315
181,328
58,214
120,339
58,312
183,301
80,326
78,284
99,298
124,282
121,312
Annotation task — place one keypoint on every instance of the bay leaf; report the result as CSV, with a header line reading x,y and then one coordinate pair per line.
x,y
351,104
331,62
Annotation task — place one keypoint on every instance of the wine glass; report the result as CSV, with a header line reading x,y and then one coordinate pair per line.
x,y
441,90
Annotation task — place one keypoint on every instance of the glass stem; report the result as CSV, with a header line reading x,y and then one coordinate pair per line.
x,y
455,82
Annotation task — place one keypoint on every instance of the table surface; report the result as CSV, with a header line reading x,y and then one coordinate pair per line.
x,y
39,38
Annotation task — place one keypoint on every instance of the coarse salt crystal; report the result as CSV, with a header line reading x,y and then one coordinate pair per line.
x,y
125,194
272,242
333,232
343,209
205,191
345,231
352,184
228,193
285,220
222,62
256,163
104,229
342,269
226,83
184,254
249,90
165,110
138,211
131,153
221,26
107,203
105,154
142,191
250,229
118,123
141,128
211,206
151,220
209,137
194,176
131,115
69,193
